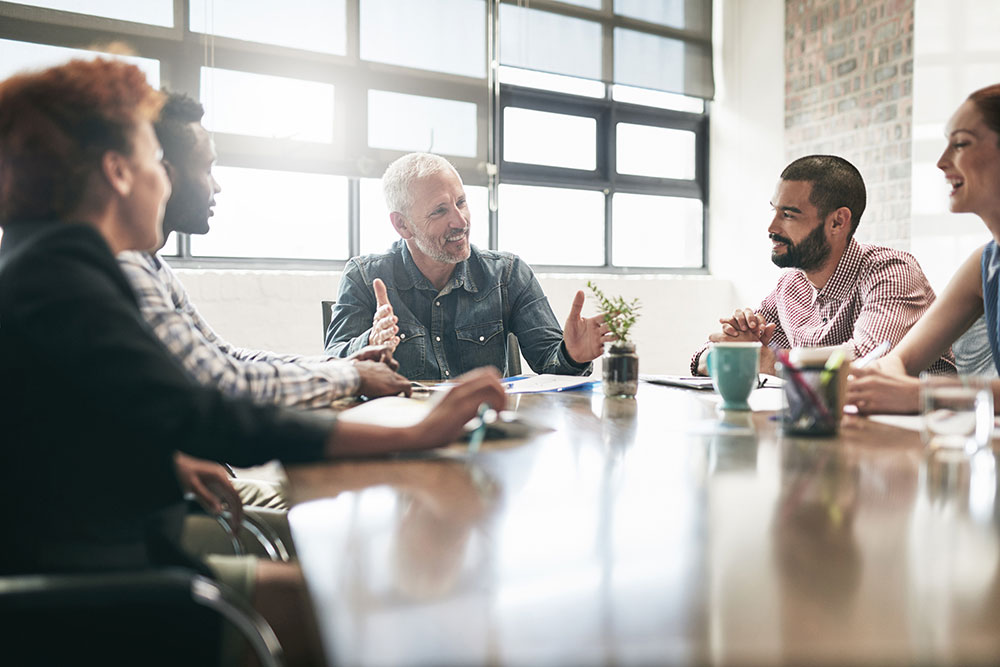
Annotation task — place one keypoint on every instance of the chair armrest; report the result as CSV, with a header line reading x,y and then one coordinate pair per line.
x,y
266,537
173,616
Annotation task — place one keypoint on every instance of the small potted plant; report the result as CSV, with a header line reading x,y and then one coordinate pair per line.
x,y
620,362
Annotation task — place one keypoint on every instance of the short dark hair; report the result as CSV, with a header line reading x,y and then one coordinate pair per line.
x,y
56,125
987,101
835,183
173,128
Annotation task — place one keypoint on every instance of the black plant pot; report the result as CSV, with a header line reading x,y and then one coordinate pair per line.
x,y
620,370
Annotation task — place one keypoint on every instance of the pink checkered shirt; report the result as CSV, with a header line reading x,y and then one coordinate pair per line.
x,y
875,294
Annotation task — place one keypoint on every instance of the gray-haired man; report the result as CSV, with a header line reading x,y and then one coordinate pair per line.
x,y
444,304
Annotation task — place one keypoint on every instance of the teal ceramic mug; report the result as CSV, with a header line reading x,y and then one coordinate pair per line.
x,y
733,367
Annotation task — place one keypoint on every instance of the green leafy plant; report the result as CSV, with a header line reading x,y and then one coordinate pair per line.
x,y
619,314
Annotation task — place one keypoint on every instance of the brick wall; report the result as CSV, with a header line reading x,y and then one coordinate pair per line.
x,y
849,92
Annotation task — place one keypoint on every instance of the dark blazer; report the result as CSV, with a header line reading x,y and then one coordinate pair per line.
x,y
92,408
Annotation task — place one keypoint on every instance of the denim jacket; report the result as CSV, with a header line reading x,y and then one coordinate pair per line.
x,y
463,326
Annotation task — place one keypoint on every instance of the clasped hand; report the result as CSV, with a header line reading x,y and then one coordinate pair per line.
x,y
744,326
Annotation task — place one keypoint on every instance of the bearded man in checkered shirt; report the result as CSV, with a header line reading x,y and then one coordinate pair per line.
x,y
839,291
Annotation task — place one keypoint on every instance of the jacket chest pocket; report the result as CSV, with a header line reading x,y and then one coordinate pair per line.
x,y
411,353
482,345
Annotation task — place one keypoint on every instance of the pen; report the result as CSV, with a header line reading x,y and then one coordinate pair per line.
x,y
876,353
802,386
832,365
476,439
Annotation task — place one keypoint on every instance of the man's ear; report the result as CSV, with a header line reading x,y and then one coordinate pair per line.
x,y
117,171
840,221
399,223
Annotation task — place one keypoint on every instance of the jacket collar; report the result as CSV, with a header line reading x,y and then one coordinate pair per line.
x,y
461,277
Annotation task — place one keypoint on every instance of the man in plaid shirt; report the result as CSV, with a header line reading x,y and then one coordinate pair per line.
x,y
265,377
840,291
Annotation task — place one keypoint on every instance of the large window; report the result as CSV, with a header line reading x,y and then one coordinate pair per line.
x,y
600,164
578,126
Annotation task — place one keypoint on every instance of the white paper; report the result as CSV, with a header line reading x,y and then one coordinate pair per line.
x,y
545,382
400,412
765,400
392,411
773,381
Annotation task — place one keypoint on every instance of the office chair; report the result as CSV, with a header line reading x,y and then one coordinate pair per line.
x,y
266,540
327,316
168,616
513,356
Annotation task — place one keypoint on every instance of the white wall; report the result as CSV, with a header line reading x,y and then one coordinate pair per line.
x,y
747,142
279,310
956,51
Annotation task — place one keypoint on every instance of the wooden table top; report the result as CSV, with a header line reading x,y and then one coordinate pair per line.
x,y
655,530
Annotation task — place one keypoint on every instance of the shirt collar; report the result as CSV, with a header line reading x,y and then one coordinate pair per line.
x,y
460,278
845,276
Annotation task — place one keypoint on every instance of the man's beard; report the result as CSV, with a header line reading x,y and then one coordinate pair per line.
x,y
808,254
440,253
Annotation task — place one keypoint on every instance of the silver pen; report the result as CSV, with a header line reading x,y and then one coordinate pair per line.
x,y
873,355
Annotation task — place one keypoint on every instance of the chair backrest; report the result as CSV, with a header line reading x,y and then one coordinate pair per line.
x,y
513,356
327,316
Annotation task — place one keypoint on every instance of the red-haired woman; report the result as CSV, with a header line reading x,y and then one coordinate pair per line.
x,y
93,410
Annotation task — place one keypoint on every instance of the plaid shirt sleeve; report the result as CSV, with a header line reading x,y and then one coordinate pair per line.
x,y
264,377
894,294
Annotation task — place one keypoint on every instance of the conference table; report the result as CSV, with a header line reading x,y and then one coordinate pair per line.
x,y
655,530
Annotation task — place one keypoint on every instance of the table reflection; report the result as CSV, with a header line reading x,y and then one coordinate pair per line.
x,y
656,530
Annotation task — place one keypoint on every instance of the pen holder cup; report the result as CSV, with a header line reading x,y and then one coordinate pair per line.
x,y
812,399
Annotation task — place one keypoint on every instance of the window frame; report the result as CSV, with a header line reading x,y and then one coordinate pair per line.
x,y
608,113
182,53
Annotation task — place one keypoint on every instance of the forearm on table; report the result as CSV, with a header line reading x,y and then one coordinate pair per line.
x,y
768,358
348,440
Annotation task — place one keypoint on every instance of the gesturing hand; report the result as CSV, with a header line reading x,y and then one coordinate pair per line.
x,y
210,484
384,330
584,337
